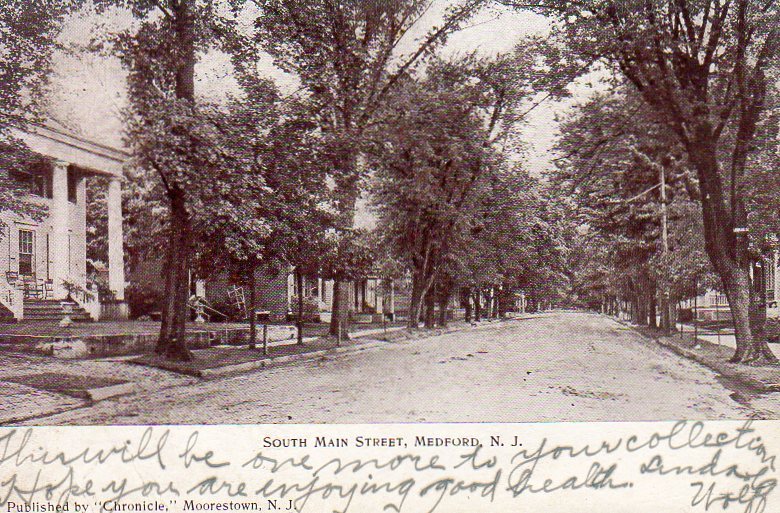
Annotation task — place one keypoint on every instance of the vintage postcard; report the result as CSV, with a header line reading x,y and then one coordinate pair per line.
x,y
389,255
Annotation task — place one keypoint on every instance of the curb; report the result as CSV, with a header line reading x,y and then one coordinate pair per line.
x,y
101,393
370,343
438,332
239,368
719,367
748,381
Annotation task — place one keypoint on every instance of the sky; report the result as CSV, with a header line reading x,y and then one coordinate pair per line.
x,y
87,91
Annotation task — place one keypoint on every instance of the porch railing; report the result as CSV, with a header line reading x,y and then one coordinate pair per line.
x,y
89,300
12,298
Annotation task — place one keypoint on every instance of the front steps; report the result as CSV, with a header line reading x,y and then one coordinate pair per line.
x,y
52,310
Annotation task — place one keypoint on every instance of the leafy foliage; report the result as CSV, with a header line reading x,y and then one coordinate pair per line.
x,y
28,36
453,213
705,69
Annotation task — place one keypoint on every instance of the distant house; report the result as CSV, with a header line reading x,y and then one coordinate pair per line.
x,y
771,285
710,306
45,262
714,305
370,298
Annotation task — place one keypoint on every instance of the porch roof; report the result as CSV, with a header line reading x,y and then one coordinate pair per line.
x,y
60,144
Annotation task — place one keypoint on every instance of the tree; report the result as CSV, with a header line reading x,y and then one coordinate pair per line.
x,y
614,155
170,132
428,158
345,55
440,151
283,147
516,244
702,66
28,36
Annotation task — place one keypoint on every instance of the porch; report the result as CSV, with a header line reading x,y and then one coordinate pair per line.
x,y
45,260
370,299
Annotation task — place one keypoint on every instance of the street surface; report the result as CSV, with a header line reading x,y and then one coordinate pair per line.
x,y
552,367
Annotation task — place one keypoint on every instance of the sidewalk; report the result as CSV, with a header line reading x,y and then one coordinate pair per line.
x,y
751,379
23,395
721,339
221,361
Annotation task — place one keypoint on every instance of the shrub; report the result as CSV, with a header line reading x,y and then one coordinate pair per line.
x,y
143,301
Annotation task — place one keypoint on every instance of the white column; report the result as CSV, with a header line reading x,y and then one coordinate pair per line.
x,y
328,298
379,296
78,261
59,247
116,256
290,289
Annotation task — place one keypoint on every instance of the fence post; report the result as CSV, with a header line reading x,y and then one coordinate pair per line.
x,y
717,316
265,339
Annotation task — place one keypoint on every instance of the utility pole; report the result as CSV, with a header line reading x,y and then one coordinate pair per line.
x,y
664,217
665,307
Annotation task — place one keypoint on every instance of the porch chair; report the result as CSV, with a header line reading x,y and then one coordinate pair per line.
x,y
48,289
11,277
31,287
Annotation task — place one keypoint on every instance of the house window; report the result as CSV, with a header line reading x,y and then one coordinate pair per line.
x,y
26,251
35,183
311,287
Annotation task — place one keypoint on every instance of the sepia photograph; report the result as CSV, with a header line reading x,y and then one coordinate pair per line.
x,y
388,211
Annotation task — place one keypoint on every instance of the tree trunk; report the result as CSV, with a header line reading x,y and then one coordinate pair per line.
x,y
430,307
299,279
444,299
643,309
340,311
172,339
340,308
466,302
348,190
415,302
167,306
184,24
477,306
504,299
727,250
252,309
336,310
652,312
666,317
422,281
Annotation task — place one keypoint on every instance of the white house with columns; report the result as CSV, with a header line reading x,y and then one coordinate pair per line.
x,y
46,260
